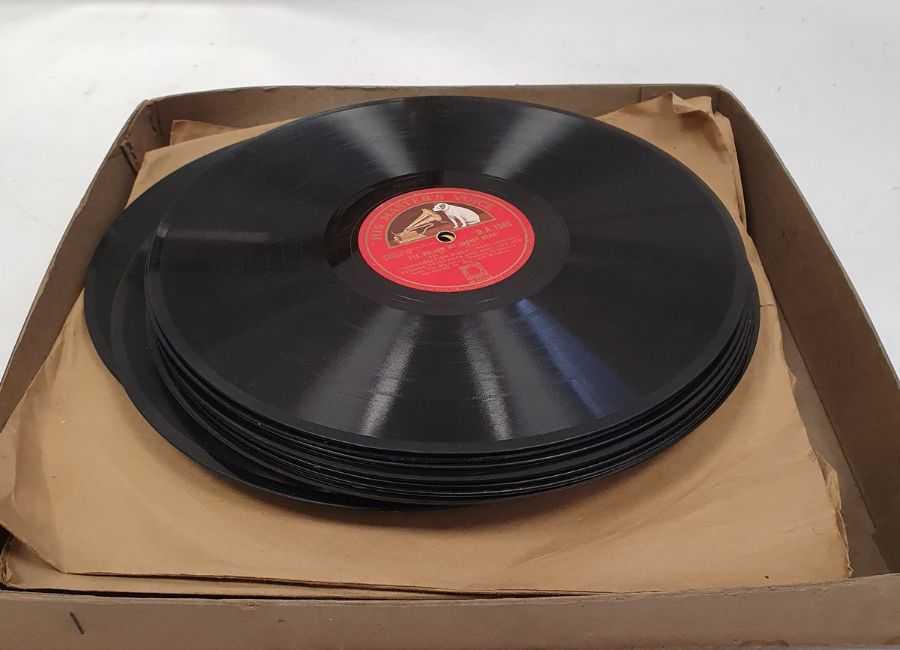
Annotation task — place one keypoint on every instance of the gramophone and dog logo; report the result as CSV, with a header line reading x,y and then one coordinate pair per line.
x,y
430,219
446,239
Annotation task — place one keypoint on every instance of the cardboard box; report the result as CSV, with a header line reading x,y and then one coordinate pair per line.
x,y
851,378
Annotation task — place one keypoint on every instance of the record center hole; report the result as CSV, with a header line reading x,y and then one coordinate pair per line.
x,y
446,236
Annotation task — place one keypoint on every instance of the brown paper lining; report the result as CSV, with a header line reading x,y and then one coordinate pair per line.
x,y
91,489
21,568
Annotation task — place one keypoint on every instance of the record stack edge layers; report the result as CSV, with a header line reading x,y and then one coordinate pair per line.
x,y
425,302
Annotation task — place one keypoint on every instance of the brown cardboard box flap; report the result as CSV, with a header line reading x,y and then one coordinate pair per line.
x,y
91,488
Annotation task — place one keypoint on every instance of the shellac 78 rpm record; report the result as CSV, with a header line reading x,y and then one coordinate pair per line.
x,y
427,301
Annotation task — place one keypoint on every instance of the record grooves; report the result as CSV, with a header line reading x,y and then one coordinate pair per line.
x,y
425,302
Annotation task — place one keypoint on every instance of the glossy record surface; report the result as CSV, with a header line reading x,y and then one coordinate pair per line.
x,y
134,365
637,283
123,238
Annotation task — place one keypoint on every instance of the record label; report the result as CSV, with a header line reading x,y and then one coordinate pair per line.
x,y
446,239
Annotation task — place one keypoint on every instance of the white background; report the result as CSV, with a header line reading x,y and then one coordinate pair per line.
x,y
823,79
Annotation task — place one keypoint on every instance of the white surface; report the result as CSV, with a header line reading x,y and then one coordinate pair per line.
x,y
821,78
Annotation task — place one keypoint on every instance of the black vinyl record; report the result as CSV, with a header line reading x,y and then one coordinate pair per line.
x,y
134,362
426,301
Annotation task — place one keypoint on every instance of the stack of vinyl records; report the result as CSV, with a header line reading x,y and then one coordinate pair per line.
x,y
425,302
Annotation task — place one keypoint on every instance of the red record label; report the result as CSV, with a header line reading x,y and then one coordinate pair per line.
x,y
446,239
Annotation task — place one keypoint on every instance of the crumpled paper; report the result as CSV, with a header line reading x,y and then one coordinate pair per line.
x,y
88,487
